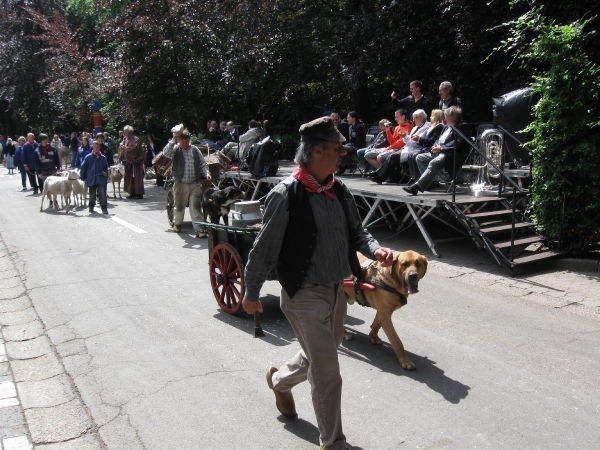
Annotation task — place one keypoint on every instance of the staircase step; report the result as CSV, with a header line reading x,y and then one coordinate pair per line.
x,y
529,240
501,212
506,227
536,257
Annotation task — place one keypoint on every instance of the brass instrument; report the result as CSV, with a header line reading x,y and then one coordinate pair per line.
x,y
491,144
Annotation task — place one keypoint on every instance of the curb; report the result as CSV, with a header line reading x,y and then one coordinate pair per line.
x,y
577,265
36,392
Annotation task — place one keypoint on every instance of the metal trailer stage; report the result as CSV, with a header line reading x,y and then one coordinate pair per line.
x,y
378,204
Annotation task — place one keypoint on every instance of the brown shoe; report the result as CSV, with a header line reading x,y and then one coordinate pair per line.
x,y
201,234
176,229
283,400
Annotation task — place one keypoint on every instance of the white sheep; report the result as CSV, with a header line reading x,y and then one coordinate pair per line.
x,y
55,186
77,186
115,175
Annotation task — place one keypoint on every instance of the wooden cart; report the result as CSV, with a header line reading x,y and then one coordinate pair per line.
x,y
229,248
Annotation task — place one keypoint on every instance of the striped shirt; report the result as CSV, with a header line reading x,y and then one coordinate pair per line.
x,y
189,173
329,262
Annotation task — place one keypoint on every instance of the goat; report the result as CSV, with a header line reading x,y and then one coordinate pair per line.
x,y
54,186
116,174
77,186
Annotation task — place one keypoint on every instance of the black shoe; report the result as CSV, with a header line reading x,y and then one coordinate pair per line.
x,y
90,210
413,189
138,197
105,211
130,197
340,171
377,179
373,174
51,204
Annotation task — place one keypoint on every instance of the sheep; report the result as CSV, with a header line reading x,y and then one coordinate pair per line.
x,y
54,186
77,186
116,174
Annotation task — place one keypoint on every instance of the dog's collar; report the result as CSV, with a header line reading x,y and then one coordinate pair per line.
x,y
386,287
370,264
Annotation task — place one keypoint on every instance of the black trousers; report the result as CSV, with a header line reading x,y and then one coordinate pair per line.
x,y
33,180
389,165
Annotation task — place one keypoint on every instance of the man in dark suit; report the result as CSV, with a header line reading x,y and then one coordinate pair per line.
x,y
441,155
214,132
447,98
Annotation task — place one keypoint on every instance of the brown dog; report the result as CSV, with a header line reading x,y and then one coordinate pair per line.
x,y
403,277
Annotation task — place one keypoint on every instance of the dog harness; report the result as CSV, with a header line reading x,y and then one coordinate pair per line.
x,y
359,291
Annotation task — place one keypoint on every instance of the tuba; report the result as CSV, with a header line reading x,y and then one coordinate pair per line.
x,y
491,144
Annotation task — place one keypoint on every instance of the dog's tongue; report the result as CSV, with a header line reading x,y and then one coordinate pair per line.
x,y
412,289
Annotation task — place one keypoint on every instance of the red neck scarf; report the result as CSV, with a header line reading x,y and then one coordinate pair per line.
x,y
311,184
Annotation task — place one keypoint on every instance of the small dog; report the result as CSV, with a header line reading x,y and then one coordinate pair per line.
x,y
399,280
217,203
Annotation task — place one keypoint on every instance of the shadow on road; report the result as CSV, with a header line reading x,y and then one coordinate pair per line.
x,y
278,332
276,328
304,430
384,358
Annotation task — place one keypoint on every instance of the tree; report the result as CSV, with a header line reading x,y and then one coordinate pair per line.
x,y
167,63
25,71
566,124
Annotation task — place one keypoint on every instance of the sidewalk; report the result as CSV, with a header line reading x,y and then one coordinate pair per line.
x,y
39,405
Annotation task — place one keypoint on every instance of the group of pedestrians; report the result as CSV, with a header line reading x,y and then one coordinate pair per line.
x,y
92,156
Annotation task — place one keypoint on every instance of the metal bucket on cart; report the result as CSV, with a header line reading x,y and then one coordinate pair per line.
x,y
245,213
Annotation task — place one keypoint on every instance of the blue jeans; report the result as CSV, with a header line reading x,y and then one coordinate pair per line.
x,y
100,189
360,154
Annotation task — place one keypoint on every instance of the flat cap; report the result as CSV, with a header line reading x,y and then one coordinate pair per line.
x,y
321,129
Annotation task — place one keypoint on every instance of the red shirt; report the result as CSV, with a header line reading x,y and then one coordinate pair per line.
x,y
395,140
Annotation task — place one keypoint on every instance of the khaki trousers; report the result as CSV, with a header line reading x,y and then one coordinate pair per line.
x,y
189,194
317,314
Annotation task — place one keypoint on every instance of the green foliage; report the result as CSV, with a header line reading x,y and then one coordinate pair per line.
x,y
197,137
565,127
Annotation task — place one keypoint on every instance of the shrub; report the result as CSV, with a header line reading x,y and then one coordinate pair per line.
x,y
566,126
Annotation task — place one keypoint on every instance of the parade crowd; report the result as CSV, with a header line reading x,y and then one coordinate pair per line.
x,y
311,240
424,146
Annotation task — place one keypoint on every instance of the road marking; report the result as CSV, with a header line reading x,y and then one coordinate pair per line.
x,y
17,443
128,225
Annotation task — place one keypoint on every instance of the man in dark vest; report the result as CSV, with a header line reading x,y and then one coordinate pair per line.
x,y
311,232
191,173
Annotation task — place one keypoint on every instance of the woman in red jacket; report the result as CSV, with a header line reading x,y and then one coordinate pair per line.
x,y
395,139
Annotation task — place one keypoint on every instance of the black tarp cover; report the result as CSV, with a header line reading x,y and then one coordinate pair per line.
x,y
514,111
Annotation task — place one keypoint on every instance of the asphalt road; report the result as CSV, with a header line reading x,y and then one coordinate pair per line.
x,y
127,304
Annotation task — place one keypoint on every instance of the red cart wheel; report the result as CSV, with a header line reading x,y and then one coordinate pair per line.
x,y
227,277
